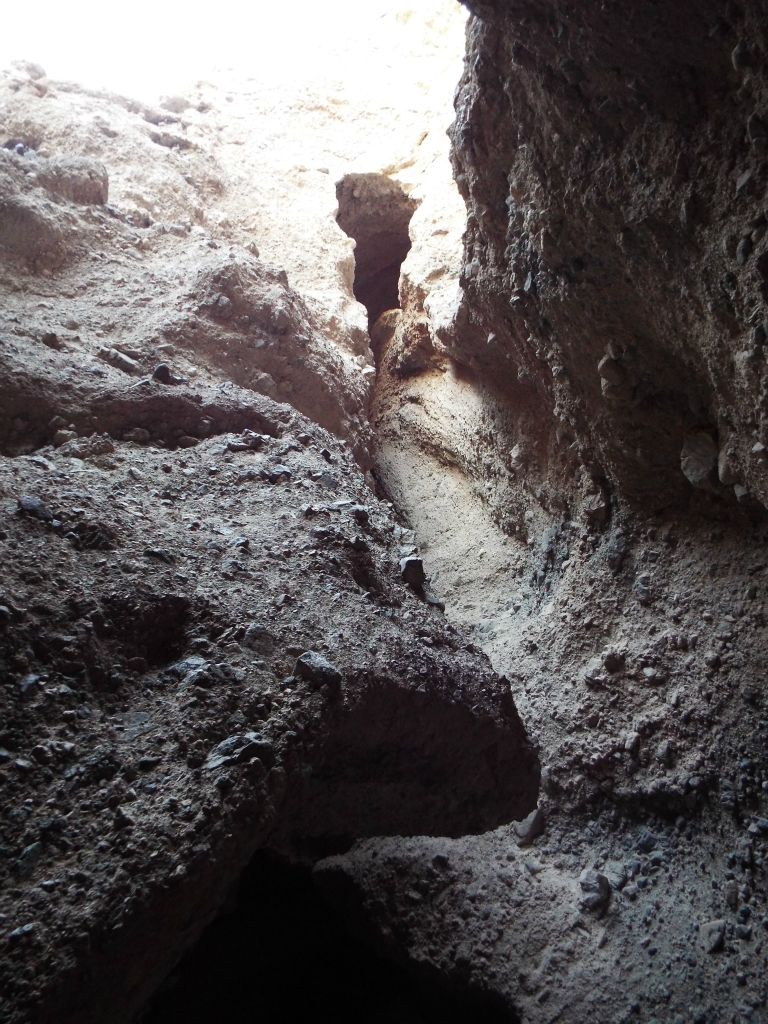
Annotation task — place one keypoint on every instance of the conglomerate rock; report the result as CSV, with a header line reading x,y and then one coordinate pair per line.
x,y
206,645
570,417
580,451
614,167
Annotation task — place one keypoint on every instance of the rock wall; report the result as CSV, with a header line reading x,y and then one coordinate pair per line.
x,y
579,447
214,638
616,244
207,643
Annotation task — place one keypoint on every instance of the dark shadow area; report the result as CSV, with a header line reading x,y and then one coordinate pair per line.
x,y
279,955
376,212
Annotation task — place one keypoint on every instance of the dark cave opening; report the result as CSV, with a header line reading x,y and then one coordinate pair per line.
x,y
278,954
376,212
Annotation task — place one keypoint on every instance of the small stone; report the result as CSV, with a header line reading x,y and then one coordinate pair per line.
x,y
122,819
433,600
530,828
259,638
412,569
316,670
30,684
239,749
731,894
119,360
616,874
593,673
62,436
159,554
224,307
698,458
646,841
665,753
596,889
642,589
743,180
743,251
28,859
207,675
632,743
21,933
277,473
741,56
713,935
34,507
162,373
612,371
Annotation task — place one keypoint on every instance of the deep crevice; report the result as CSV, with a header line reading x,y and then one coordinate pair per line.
x,y
280,955
376,212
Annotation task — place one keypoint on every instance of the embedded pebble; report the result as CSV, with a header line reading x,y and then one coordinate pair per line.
x,y
317,670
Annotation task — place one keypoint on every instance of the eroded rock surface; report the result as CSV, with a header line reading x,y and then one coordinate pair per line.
x,y
159,719
569,415
616,233
206,644
579,452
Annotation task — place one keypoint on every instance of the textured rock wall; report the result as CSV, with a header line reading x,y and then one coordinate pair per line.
x,y
613,160
207,645
579,447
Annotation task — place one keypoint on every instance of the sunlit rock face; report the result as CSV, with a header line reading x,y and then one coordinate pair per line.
x,y
246,161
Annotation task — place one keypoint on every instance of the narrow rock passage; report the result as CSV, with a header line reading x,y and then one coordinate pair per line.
x,y
376,212
601,622
280,955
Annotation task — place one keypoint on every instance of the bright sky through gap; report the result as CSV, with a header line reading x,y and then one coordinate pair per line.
x,y
150,47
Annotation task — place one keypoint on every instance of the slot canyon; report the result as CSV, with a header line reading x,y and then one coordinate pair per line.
x,y
383,490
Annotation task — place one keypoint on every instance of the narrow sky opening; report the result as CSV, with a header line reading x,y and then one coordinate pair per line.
x,y
145,49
